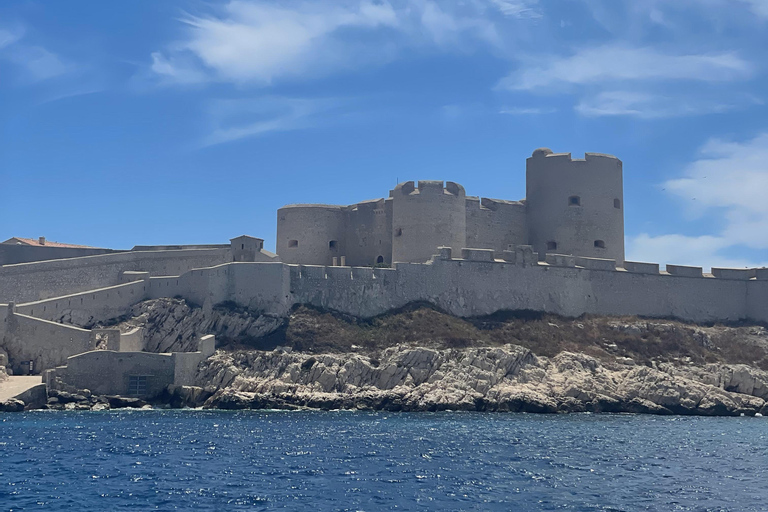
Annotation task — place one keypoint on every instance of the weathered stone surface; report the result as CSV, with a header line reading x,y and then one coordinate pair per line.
x,y
186,396
172,325
11,405
508,378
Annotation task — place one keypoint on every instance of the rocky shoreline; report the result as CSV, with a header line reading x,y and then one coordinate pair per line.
x,y
504,379
420,359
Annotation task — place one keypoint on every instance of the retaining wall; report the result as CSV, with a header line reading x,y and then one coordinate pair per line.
x,y
87,307
29,282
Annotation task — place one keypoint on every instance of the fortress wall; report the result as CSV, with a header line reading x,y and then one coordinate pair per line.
x,y
46,343
132,341
471,287
85,307
369,233
212,285
305,232
11,254
577,204
757,300
426,217
495,224
29,282
263,287
359,291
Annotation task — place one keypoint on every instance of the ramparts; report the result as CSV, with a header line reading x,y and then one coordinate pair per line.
x,y
480,282
27,282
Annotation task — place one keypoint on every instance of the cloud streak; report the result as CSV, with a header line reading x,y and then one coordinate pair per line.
x,y
257,42
727,183
34,62
644,105
614,63
243,118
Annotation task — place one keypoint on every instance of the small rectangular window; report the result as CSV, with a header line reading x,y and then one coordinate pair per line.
x,y
574,201
137,385
551,246
617,203
293,243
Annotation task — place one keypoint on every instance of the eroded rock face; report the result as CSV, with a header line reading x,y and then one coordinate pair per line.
x,y
508,378
172,325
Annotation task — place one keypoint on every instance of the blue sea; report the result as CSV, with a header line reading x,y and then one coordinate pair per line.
x,y
276,460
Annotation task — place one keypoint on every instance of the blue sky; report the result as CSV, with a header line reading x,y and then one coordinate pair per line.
x,y
150,122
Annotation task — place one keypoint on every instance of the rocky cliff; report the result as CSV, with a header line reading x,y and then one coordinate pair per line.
x,y
422,359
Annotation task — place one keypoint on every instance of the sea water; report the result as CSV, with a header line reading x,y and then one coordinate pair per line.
x,y
275,460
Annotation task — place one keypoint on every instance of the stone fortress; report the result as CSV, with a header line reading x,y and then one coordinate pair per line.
x,y
560,250
572,206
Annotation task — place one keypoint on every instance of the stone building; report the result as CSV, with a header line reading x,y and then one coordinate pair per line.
x,y
573,206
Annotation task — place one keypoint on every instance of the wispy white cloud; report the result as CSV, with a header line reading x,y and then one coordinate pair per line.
x,y
257,42
702,251
646,105
527,111
33,62
728,184
10,36
758,7
518,8
243,118
616,63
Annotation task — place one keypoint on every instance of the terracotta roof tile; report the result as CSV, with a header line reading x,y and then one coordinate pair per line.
x,y
48,243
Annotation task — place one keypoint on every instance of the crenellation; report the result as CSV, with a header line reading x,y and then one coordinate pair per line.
x,y
637,267
596,263
362,273
560,260
683,270
312,271
740,274
477,254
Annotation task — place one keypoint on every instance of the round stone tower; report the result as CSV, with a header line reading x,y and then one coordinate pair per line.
x,y
426,217
575,206
310,234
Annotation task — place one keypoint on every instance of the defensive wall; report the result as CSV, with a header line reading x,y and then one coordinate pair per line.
x,y
472,283
475,282
11,254
572,206
28,282
575,206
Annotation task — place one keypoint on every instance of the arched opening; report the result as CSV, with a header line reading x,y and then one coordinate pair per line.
x,y
574,201
380,259
617,203
551,246
600,244
332,245
293,243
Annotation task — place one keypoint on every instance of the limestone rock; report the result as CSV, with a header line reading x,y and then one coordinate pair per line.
x,y
11,405
507,378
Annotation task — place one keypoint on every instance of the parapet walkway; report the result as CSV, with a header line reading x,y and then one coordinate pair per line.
x,y
17,384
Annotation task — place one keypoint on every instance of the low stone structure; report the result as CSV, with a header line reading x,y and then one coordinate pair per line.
x,y
142,375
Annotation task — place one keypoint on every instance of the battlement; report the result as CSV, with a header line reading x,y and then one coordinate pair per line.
x,y
546,153
428,187
333,207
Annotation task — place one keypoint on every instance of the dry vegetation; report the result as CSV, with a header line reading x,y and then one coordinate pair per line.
x,y
642,340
